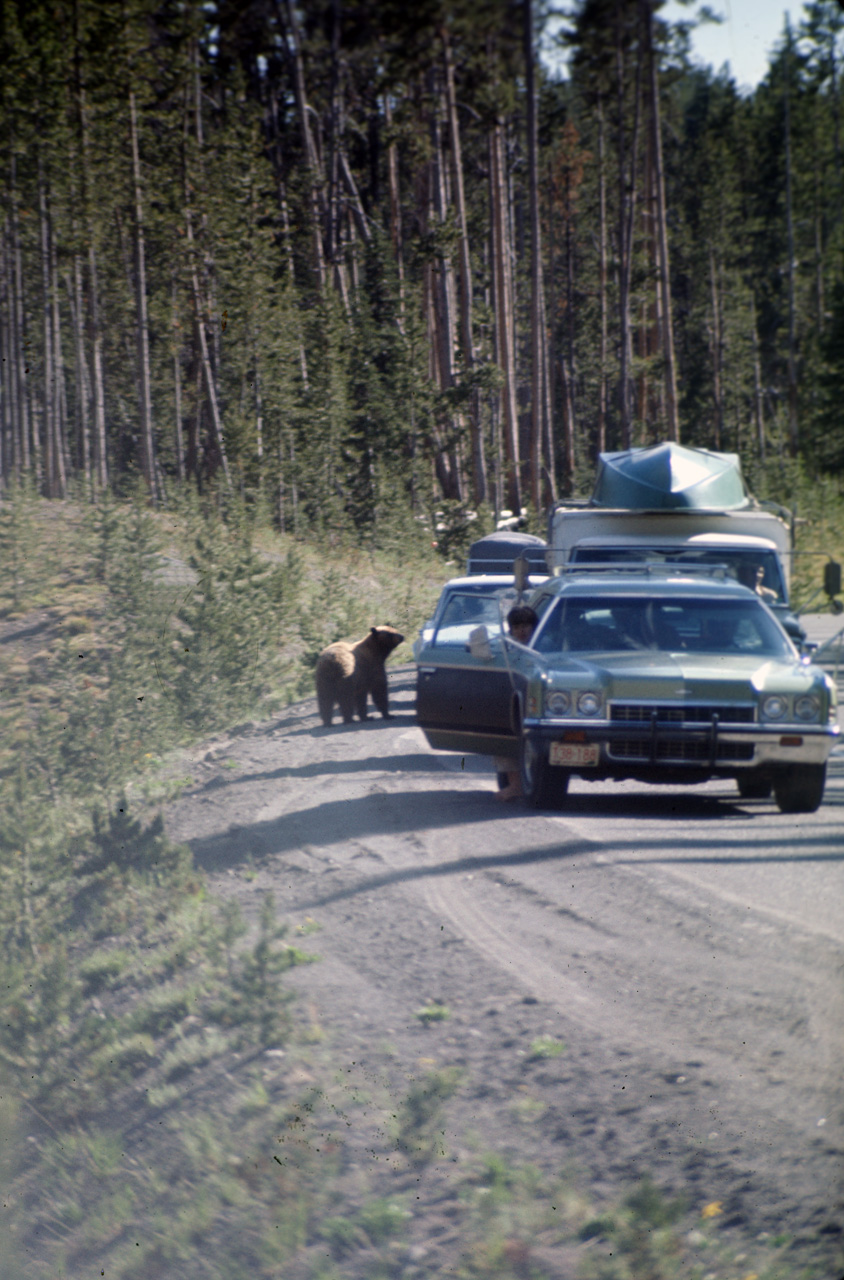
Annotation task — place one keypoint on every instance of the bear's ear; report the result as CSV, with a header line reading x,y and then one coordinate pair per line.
x,y
373,631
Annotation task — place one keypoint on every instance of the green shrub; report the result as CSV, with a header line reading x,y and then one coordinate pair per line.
x,y
433,1012
165,1008
546,1047
420,1118
123,1057
102,969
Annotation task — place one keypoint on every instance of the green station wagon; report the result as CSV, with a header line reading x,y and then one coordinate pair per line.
x,y
649,675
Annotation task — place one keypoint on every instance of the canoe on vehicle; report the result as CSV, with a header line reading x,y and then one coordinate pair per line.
x,y
667,476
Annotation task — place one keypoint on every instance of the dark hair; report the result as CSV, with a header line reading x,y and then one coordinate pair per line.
x,y
521,615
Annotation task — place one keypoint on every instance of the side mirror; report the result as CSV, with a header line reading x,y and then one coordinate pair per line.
x,y
521,572
832,578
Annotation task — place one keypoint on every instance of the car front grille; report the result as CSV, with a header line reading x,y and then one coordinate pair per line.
x,y
677,749
679,713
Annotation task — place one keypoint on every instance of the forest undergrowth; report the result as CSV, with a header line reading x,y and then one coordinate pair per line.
x,y
130,994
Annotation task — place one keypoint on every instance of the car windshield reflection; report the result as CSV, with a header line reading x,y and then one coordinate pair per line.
x,y
595,624
464,612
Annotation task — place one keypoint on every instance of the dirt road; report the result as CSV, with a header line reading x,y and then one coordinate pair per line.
x,y
647,983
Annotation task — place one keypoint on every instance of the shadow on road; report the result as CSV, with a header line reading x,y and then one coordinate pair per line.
x,y
385,814
304,726
418,763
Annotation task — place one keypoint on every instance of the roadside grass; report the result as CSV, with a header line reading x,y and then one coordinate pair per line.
x,y
141,631
433,1011
545,1047
126,990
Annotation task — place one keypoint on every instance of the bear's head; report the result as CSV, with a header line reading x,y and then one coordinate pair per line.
x,y
386,638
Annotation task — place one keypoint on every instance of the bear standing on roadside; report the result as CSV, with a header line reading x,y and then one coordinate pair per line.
x,y
347,673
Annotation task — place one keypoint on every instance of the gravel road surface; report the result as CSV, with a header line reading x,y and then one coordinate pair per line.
x,y
684,946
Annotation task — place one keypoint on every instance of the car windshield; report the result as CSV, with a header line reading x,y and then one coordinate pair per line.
x,y
602,624
758,569
464,611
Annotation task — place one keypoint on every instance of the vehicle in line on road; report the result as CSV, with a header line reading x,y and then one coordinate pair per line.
x,y
684,506
648,674
496,552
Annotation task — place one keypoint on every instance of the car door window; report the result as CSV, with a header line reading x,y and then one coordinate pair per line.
x,y
463,614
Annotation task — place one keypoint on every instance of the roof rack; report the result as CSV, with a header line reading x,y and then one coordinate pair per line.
x,y
648,568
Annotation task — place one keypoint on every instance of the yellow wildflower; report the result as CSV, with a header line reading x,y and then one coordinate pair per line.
x,y
712,1209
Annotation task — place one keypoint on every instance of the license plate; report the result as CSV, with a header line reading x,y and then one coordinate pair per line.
x,y
574,753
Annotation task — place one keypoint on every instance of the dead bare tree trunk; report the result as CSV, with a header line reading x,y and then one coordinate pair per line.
x,y
100,439
444,272
479,479
61,460
793,434
31,454
666,309
443,290
315,175
395,206
627,195
601,442
12,399
83,377
93,291
285,220
550,486
142,325
537,305
49,387
177,383
505,356
717,351
207,371
758,411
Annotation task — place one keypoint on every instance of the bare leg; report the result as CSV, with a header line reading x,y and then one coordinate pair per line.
x,y
514,786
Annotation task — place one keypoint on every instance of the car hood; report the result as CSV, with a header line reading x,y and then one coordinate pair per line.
x,y
673,675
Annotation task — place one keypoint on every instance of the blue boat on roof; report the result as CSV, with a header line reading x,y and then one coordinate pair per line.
x,y
668,476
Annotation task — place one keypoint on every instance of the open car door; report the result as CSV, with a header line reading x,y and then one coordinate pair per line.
x,y
465,674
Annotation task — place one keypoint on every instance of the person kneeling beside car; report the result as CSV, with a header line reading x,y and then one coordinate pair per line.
x,y
521,622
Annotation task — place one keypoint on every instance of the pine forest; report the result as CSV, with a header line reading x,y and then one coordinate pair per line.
x,y
371,256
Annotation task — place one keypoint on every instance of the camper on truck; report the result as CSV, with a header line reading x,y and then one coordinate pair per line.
x,y
688,507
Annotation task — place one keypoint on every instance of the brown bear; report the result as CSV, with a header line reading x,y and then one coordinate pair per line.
x,y
347,673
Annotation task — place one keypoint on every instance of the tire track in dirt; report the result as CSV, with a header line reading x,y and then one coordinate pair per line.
x,y
545,982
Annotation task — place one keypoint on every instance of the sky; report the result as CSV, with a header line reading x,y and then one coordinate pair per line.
x,y
744,39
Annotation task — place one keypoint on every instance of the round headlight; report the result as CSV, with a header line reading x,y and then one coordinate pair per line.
x,y
807,708
557,703
589,704
775,707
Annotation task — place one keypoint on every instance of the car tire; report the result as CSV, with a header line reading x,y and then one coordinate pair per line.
x,y
801,789
754,786
544,786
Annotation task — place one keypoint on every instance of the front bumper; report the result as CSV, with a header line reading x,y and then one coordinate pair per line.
x,y
713,747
